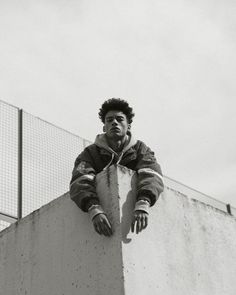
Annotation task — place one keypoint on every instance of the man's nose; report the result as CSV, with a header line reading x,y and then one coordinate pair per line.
x,y
114,122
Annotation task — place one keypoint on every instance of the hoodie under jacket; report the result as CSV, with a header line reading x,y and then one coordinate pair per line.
x,y
99,156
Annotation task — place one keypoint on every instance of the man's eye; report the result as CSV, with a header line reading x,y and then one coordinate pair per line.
x,y
120,119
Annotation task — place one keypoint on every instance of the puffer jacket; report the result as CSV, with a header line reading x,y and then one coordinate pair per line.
x,y
99,156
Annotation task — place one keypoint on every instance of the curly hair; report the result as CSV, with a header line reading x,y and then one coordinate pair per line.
x,y
116,104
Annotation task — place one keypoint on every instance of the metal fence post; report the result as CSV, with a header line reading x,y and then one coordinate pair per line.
x,y
20,162
228,207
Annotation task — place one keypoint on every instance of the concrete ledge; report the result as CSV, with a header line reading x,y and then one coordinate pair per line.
x,y
188,247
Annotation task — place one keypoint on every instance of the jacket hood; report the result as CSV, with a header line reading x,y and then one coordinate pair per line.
x,y
101,141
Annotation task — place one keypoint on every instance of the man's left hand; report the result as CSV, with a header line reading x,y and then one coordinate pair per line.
x,y
140,219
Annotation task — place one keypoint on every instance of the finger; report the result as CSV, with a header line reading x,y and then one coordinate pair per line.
x,y
133,224
104,226
146,221
97,228
104,230
107,227
142,223
97,222
138,225
107,222
101,228
107,230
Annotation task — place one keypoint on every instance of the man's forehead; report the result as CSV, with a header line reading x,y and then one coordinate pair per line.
x,y
115,114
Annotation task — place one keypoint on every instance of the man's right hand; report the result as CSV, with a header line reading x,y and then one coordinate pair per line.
x,y
102,225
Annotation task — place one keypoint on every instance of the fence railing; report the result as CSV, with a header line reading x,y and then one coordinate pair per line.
x,y
36,161
195,194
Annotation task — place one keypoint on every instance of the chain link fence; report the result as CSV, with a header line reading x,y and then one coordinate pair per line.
x,y
36,161
8,161
48,157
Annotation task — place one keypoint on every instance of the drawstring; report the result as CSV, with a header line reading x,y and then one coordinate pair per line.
x,y
112,158
120,158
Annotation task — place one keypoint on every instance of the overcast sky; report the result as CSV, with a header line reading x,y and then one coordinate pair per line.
x,y
173,61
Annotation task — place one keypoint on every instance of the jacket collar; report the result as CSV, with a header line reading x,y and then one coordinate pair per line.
x,y
101,142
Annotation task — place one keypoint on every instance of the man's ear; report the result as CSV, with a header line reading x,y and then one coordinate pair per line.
x,y
129,126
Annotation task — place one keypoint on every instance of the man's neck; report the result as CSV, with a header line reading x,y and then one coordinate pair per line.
x,y
117,144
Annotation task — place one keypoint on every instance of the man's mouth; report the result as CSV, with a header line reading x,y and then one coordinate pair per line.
x,y
115,129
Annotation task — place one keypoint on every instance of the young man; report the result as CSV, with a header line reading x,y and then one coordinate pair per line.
x,y
116,146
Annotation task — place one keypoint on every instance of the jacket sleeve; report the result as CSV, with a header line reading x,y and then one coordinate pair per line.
x,y
150,180
82,184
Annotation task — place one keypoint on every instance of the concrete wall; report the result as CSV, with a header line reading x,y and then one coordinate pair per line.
x,y
188,247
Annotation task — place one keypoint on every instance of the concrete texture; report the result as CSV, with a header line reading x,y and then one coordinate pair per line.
x,y
188,247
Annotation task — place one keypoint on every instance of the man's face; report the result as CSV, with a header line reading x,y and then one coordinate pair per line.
x,y
116,125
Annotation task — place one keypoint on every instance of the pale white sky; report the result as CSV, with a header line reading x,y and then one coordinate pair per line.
x,y
173,61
